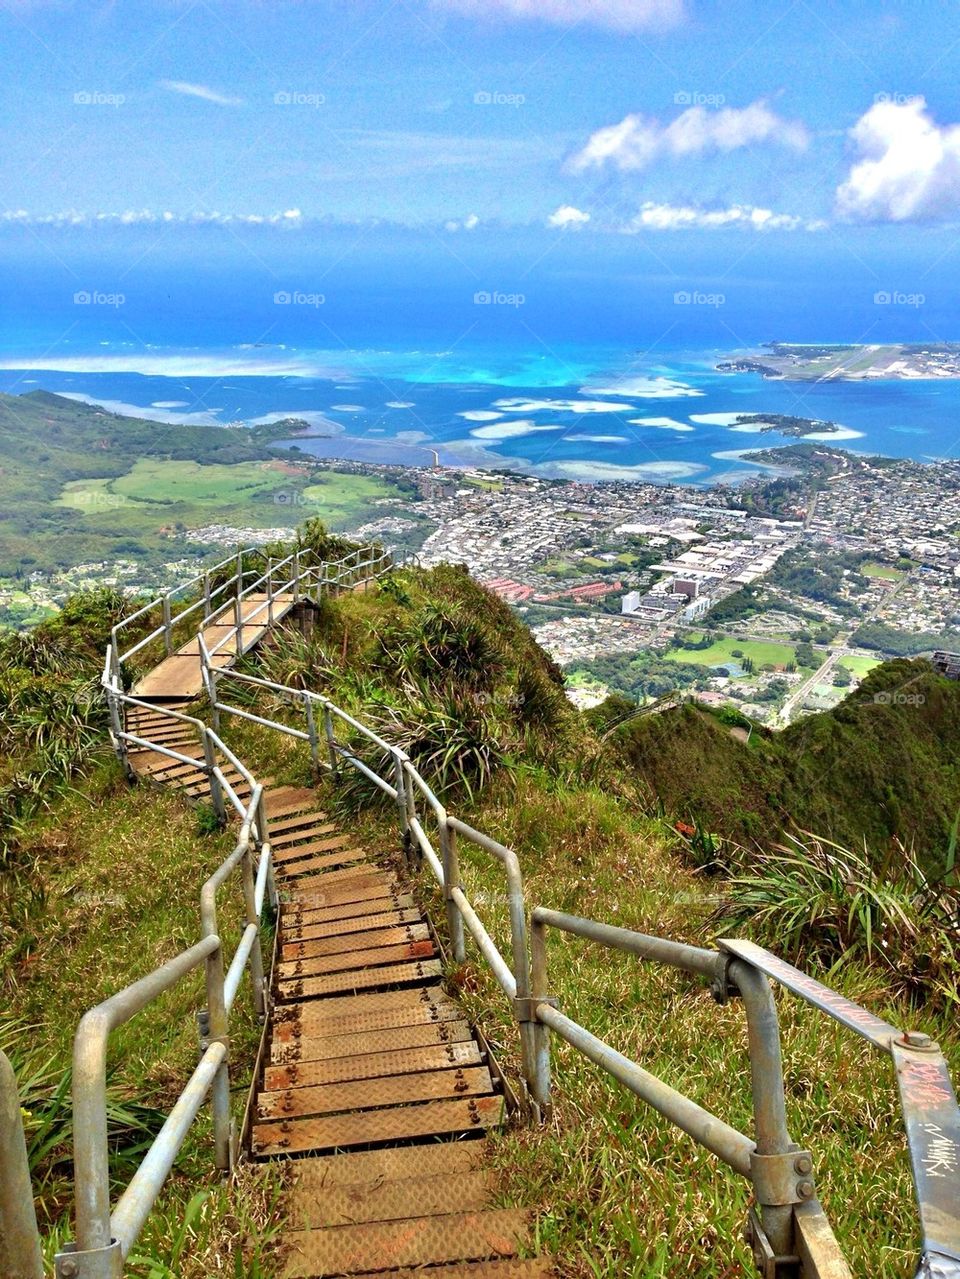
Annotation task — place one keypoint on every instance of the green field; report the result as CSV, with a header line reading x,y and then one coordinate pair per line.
x,y
157,493
764,653
889,574
858,666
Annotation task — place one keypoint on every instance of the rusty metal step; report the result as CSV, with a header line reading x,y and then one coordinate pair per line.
x,y
371,957
379,1200
365,940
340,901
411,1242
366,1043
283,825
296,851
536,1268
372,905
284,839
392,1164
377,1127
358,1014
361,1095
371,1065
358,924
312,894
290,870
360,979
285,800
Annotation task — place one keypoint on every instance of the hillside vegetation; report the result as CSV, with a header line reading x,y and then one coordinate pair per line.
x,y
883,765
440,667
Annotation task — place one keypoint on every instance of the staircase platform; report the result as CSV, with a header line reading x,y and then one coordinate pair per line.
x,y
179,677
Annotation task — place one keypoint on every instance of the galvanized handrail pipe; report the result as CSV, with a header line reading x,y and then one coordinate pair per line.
x,y
91,1160
717,1136
692,959
134,1205
20,1253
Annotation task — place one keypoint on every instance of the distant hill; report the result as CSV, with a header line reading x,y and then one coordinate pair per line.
x,y
884,763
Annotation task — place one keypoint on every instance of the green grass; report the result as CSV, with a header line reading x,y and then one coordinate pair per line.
x,y
870,568
858,666
114,877
763,653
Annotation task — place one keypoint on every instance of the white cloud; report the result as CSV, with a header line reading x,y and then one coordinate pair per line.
x,y
148,217
201,91
469,223
636,142
611,15
907,167
681,217
568,216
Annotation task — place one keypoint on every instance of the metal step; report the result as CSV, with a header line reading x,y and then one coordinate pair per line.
x,y
360,1095
354,941
389,1061
360,979
397,1164
295,851
369,905
365,1043
345,1250
282,842
371,957
354,1015
357,923
378,1127
287,870
379,1200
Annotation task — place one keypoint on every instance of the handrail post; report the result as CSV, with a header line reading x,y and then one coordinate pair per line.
x,y
116,724
249,873
539,991
206,596
263,838
769,1103
167,637
269,590
238,621
521,966
216,790
331,740
311,729
451,880
218,1029
296,576
20,1253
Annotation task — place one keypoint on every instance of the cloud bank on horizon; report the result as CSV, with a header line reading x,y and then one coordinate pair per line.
x,y
613,15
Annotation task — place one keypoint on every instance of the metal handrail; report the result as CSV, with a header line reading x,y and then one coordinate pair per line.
x,y
20,1254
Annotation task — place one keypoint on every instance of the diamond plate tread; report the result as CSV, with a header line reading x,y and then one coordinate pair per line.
x,y
359,979
369,905
285,824
290,870
371,1066
352,924
367,1127
361,1095
313,894
365,940
397,1164
316,965
282,839
400,1039
321,1016
306,850
411,1242
379,1200
536,1268
289,800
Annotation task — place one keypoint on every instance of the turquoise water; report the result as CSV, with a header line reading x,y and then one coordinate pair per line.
x,y
587,414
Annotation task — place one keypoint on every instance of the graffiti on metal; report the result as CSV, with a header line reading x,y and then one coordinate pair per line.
x,y
933,1135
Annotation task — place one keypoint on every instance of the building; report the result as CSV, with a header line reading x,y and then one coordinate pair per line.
x,y
947,664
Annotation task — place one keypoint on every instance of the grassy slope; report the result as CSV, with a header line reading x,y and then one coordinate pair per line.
x,y
621,1192
111,901
881,763
80,483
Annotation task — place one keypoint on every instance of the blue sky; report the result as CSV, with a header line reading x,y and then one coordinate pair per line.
x,y
690,143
